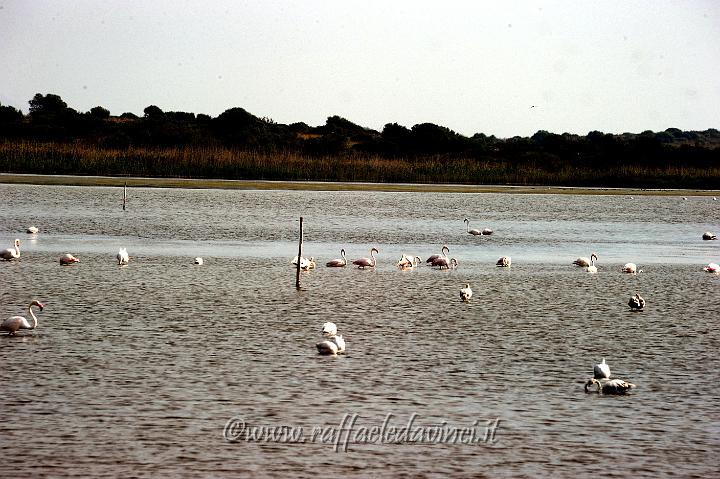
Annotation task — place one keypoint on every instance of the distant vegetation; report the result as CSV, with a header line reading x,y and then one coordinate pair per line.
x,y
56,139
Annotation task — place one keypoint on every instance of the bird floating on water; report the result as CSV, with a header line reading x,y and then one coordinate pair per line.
x,y
334,344
636,303
708,235
475,232
466,292
15,323
198,261
630,268
712,268
592,268
305,263
11,253
584,261
67,259
32,230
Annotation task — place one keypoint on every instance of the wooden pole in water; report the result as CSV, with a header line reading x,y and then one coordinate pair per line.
x,y
124,195
297,272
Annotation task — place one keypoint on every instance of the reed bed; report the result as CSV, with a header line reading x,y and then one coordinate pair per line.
x,y
218,162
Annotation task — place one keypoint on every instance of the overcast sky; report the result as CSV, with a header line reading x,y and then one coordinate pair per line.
x,y
502,68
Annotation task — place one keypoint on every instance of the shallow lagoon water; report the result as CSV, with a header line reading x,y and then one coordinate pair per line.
x,y
135,371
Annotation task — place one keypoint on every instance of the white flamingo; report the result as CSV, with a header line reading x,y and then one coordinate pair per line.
x,y
67,258
504,262
14,323
11,253
444,252
487,231
199,261
334,344
338,262
637,302
122,256
305,263
712,268
592,268
584,261
466,292
709,236
601,370
32,230
408,262
609,386
471,231
367,262
630,268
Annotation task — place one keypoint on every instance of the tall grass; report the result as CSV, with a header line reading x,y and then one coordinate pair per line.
x,y
219,162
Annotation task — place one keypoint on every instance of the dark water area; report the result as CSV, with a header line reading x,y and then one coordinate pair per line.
x,y
135,371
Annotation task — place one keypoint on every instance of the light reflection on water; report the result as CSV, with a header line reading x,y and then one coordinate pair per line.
x,y
135,370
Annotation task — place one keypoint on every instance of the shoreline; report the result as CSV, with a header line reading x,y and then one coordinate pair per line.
x,y
194,183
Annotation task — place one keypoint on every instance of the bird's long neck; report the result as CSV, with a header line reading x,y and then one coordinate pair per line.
x,y
342,253
372,255
34,318
467,224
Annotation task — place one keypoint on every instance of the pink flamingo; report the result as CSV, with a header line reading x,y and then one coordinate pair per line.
x,y
68,259
444,252
12,324
369,262
339,262
712,268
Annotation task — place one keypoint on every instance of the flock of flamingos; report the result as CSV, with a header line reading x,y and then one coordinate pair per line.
x,y
333,343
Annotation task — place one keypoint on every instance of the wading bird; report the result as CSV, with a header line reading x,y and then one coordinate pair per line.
x,y
305,263
11,253
601,370
338,262
466,292
14,323
32,230
199,260
367,262
609,386
592,268
504,262
471,231
712,268
408,262
709,236
334,344
636,303
443,252
630,268
445,262
67,258
584,261
122,256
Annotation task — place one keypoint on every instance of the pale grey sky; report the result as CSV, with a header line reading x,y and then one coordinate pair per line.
x,y
472,66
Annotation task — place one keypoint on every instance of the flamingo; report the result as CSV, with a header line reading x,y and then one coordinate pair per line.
x,y
487,231
370,262
12,324
636,303
408,262
32,230
305,264
68,259
609,386
334,344
712,268
504,262
339,262
444,262
630,268
584,260
122,256
444,252
466,292
592,268
199,261
709,236
601,370
11,253
473,231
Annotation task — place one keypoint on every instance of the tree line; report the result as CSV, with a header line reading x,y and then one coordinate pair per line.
x,y
50,119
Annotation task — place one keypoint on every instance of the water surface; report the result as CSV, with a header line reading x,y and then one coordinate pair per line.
x,y
134,371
